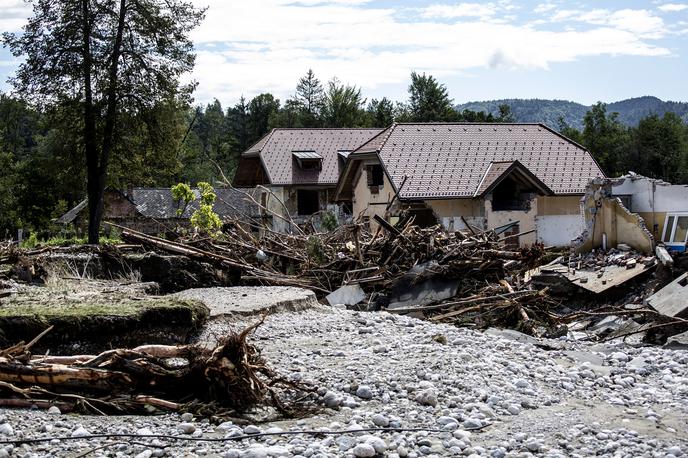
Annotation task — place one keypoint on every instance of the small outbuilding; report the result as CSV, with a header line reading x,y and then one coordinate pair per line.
x,y
154,210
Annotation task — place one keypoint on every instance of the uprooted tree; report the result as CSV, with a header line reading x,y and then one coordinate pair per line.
x,y
104,60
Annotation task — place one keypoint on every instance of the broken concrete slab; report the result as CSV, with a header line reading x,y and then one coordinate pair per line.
x,y
347,295
251,300
672,300
678,341
408,292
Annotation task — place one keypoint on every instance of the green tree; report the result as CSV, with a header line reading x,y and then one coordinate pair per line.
x,y
380,112
9,181
205,219
261,109
237,117
290,115
505,114
605,137
429,100
569,132
106,59
183,196
310,96
659,148
343,105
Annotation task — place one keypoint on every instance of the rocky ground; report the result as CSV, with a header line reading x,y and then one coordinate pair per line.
x,y
482,394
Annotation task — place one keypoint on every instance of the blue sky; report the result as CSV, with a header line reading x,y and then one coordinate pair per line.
x,y
573,50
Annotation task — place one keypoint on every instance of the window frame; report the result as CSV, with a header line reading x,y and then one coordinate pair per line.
x,y
669,240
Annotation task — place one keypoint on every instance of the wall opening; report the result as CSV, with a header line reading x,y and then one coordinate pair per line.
x,y
376,177
511,195
308,202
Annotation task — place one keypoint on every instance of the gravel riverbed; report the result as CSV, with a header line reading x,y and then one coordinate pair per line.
x,y
488,393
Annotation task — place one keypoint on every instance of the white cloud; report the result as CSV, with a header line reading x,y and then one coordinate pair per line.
x,y
673,7
642,23
459,10
266,45
544,7
270,44
13,14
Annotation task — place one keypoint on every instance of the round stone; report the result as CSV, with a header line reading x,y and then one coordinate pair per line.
x,y
364,451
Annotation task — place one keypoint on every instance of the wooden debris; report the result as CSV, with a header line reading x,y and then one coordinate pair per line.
x,y
226,380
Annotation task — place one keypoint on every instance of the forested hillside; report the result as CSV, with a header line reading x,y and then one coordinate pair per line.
x,y
631,111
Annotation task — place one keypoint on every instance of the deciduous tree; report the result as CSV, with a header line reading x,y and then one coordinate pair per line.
x,y
107,58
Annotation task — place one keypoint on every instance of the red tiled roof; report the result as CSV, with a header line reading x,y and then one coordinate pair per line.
x,y
444,160
276,148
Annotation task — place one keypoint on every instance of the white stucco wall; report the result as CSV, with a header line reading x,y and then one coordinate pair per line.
x,y
558,230
665,198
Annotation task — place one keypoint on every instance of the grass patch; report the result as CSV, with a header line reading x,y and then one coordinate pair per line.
x,y
71,307
90,314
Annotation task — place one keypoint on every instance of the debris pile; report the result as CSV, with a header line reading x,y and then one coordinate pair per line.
x,y
223,381
372,271
598,259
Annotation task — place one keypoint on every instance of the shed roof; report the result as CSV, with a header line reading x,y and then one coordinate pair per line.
x,y
277,147
450,160
158,203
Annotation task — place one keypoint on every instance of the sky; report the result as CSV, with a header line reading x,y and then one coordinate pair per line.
x,y
548,49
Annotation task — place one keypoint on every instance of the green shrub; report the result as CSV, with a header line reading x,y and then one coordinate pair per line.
x,y
205,219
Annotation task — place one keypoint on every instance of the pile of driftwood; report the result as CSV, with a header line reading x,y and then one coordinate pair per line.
x,y
490,291
224,381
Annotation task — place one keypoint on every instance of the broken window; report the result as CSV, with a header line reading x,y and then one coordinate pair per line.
x,y
308,202
376,175
511,195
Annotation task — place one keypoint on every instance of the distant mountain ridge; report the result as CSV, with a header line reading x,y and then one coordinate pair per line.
x,y
631,111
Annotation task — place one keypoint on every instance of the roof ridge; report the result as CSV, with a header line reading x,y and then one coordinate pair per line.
x,y
467,123
327,128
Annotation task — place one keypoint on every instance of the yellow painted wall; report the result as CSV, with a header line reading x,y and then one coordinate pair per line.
x,y
558,205
620,226
364,202
658,218
526,220
455,207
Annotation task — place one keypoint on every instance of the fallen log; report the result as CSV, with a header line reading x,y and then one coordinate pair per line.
x,y
231,378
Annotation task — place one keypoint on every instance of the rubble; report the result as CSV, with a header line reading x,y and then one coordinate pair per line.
x,y
672,300
468,278
596,271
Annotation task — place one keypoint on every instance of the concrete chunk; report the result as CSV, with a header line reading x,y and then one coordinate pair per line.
x,y
347,295
672,300
664,257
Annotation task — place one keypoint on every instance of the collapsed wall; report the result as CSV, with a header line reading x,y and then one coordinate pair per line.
x,y
609,223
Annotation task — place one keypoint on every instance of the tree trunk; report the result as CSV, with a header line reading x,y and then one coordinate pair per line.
x,y
90,147
97,168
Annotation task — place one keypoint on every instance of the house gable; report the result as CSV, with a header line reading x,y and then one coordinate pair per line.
x,y
449,160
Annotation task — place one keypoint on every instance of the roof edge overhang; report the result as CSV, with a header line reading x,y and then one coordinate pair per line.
x,y
346,177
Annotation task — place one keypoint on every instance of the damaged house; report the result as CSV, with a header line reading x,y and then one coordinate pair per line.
x,y
524,178
154,210
663,206
636,211
298,169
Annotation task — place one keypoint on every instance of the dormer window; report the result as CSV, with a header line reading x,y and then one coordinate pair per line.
x,y
308,160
